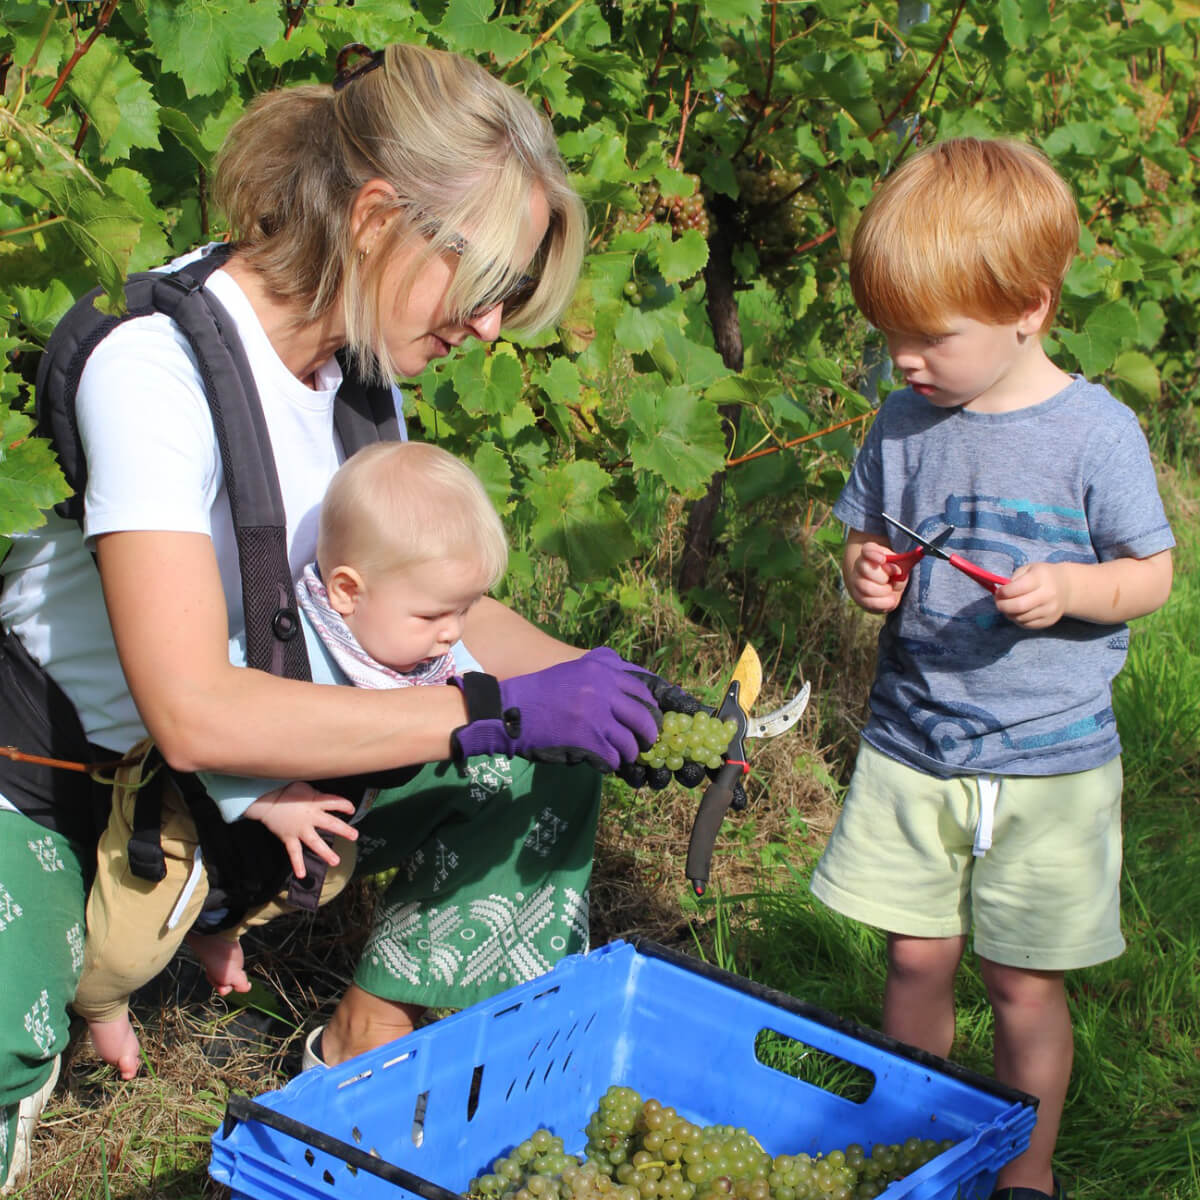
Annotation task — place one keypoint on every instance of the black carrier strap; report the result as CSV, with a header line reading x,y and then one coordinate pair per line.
x,y
363,414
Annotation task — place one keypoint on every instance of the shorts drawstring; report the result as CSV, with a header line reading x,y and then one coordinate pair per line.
x,y
188,888
989,792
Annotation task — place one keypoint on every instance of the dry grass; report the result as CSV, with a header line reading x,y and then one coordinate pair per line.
x,y
149,1138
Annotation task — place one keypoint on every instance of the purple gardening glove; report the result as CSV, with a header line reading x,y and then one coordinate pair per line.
x,y
595,709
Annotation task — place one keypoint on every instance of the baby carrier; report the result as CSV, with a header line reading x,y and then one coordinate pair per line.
x,y
246,864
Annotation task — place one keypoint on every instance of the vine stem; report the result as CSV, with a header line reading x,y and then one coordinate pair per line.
x,y
30,228
546,35
102,20
808,437
912,91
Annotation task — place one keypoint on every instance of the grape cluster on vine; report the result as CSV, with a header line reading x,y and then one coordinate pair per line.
x,y
696,737
777,210
11,167
646,1151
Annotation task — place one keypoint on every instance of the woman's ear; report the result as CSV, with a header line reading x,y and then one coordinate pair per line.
x,y
345,587
371,211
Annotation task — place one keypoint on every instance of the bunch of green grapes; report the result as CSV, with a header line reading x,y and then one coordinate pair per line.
x,y
533,1169
12,169
647,1151
777,210
697,737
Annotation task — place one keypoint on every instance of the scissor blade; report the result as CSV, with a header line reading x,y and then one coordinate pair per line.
x,y
772,724
934,547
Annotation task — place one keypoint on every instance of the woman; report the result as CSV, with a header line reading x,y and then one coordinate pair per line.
x,y
416,204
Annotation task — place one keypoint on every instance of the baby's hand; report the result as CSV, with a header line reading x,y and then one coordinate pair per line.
x,y
297,815
1036,597
873,582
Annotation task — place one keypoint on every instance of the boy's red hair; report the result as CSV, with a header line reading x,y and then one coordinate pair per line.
x,y
967,227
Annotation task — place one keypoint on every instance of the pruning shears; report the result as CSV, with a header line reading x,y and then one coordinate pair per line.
x,y
739,698
909,559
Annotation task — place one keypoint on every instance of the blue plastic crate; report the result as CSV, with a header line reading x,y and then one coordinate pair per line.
x,y
432,1110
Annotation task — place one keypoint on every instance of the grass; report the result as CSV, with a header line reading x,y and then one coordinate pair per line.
x,y
1131,1129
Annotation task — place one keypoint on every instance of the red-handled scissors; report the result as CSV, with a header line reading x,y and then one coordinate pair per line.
x,y
909,559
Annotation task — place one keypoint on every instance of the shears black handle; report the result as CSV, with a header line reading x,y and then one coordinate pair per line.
x,y
717,796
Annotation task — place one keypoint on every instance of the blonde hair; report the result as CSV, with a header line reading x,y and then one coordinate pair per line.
x,y
462,152
966,227
400,504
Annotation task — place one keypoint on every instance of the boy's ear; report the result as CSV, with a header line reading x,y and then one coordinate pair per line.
x,y
345,587
1034,318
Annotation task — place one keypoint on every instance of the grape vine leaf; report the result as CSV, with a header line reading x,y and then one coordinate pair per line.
x,y
30,480
489,463
1104,334
579,520
682,257
1139,375
119,102
679,437
471,27
205,41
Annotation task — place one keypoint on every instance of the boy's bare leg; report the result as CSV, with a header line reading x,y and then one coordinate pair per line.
x,y
363,1021
117,1044
1034,1051
918,998
223,961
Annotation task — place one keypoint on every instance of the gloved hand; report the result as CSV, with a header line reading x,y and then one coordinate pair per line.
x,y
671,698
596,709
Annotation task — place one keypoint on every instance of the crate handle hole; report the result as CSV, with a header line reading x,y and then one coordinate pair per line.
x,y
473,1094
418,1124
816,1067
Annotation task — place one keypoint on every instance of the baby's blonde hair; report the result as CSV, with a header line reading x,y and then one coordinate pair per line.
x,y
966,227
400,504
462,153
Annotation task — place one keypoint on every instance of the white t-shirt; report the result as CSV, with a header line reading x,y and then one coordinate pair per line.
x,y
153,464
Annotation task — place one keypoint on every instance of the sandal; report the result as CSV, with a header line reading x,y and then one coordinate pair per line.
x,y
1024,1193
29,1110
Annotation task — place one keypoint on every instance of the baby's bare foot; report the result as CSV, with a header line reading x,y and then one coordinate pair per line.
x,y
117,1044
223,962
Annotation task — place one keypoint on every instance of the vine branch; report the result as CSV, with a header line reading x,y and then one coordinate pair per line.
x,y
912,91
102,19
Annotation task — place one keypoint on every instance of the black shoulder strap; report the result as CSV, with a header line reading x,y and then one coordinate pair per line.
x,y
363,413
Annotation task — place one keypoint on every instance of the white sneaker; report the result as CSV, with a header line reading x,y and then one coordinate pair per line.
x,y
27,1118
312,1050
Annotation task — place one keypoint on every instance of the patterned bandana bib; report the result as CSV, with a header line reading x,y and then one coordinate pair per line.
x,y
359,667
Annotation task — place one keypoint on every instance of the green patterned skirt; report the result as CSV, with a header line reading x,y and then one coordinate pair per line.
x,y
490,889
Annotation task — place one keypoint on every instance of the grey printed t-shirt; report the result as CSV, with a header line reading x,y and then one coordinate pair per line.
x,y
960,689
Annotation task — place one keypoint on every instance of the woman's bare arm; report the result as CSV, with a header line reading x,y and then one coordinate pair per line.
x,y
168,615
506,644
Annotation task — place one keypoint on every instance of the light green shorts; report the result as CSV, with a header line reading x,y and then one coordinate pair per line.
x,y
1033,864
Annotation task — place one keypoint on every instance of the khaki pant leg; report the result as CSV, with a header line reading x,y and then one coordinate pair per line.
x,y
128,941
336,879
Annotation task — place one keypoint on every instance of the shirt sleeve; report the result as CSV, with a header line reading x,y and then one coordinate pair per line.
x,y
147,434
1125,513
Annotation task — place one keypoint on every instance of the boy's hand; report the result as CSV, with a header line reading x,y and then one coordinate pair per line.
x,y
297,815
1037,596
870,579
